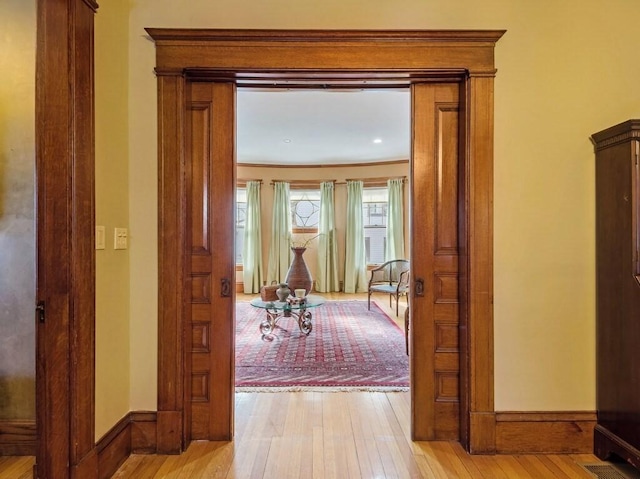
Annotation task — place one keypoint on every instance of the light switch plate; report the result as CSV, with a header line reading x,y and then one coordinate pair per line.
x,y
120,238
100,237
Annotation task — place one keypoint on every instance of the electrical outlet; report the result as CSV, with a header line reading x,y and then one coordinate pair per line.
x,y
120,238
100,237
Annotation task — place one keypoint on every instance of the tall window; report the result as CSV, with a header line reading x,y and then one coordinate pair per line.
x,y
241,216
305,210
374,210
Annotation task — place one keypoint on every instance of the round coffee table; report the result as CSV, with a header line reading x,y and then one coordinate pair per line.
x,y
293,307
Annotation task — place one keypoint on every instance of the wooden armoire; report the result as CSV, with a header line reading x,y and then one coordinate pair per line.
x,y
618,291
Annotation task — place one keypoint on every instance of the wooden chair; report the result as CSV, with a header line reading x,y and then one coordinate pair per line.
x,y
391,278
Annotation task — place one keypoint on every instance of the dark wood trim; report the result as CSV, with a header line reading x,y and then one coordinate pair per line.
x,y
635,222
171,272
337,165
65,369
267,77
143,432
92,4
114,448
466,420
463,56
17,438
82,223
134,433
166,36
607,443
552,432
113,434
476,265
364,55
545,416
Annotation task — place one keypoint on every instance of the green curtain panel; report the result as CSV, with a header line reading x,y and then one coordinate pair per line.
x,y
280,249
395,220
355,265
252,249
327,275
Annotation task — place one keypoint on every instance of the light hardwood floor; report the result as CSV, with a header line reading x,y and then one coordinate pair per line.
x,y
330,435
12,467
338,435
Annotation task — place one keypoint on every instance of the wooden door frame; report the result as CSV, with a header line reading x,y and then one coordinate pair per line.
x,y
65,350
384,58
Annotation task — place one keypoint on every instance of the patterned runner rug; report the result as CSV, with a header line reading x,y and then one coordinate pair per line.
x,y
350,348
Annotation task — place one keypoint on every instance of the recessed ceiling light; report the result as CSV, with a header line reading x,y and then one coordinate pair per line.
x,y
287,140
378,140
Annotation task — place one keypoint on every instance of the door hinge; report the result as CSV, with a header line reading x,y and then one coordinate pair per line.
x,y
40,311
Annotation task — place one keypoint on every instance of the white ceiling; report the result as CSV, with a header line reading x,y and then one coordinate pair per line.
x,y
322,126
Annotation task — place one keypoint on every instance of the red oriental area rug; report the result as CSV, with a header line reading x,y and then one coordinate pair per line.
x,y
350,348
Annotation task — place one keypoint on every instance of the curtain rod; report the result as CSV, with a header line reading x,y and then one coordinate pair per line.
x,y
302,182
381,180
241,180
376,180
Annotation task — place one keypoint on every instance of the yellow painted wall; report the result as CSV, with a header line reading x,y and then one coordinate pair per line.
x,y
565,70
338,173
112,203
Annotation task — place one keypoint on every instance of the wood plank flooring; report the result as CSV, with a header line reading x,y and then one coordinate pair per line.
x,y
12,467
338,435
329,435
